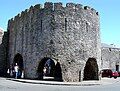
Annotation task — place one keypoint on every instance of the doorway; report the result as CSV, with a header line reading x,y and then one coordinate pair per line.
x,y
117,68
48,70
91,70
18,60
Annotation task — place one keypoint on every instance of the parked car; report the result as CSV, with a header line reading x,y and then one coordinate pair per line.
x,y
115,74
119,73
109,73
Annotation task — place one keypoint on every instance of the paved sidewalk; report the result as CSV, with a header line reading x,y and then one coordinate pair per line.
x,y
103,81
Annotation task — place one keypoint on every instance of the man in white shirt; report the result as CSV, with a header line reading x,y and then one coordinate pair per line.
x,y
16,70
8,73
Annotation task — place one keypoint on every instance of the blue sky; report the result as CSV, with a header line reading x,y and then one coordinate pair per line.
x,y
109,11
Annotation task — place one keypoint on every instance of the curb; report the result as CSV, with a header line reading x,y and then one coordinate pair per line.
x,y
56,83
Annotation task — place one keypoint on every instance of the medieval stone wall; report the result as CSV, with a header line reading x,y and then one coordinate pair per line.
x,y
110,57
76,38
1,61
69,35
23,39
3,53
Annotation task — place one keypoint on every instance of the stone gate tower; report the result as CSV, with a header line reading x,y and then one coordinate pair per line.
x,y
69,36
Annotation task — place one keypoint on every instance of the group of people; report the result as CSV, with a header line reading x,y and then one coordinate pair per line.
x,y
15,71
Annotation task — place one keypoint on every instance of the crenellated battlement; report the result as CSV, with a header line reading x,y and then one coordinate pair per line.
x,y
48,5
32,8
90,9
38,6
79,6
10,20
17,17
87,8
71,5
24,13
57,6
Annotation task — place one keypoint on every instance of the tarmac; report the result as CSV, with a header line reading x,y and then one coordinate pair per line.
x,y
103,81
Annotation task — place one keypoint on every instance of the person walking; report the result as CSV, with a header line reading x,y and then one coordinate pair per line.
x,y
8,73
22,75
16,69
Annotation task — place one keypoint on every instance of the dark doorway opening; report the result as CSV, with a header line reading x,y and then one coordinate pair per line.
x,y
91,70
58,72
18,59
47,70
117,68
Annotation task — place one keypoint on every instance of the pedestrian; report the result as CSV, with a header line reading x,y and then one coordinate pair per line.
x,y
100,75
11,71
16,69
44,71
8,73
22,76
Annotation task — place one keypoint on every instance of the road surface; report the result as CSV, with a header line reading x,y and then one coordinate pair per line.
x,y
8,85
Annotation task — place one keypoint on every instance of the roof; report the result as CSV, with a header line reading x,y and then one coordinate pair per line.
x,y
104,45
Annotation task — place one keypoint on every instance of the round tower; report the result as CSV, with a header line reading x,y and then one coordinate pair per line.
x,y
64,41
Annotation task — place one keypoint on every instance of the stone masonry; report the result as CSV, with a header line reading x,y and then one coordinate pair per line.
x,y
3,52
69,35
110,58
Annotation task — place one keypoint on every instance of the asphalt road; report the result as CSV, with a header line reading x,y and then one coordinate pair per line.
x,y
8,85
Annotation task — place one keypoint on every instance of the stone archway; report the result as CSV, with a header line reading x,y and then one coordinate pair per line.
x,y
54,71
19,60
58,72
46,64
91,70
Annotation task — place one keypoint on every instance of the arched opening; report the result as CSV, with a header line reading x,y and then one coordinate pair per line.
x,y
19,60
117,68
91,70
58,72
47,70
